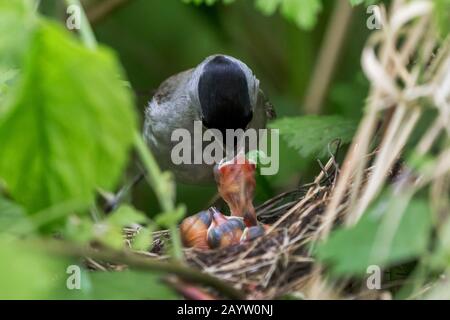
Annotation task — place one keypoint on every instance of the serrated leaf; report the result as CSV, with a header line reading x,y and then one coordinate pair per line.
x,y
70,126
311,135
350,251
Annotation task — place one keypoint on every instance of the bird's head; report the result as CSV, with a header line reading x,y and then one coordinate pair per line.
x,y
226,91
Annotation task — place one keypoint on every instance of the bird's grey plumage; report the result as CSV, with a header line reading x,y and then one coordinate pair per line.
x,y
176,104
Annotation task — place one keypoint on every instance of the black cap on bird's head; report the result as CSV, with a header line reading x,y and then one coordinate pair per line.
x,y
224,95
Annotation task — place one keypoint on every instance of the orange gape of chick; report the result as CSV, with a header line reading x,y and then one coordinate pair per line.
x,y
211,229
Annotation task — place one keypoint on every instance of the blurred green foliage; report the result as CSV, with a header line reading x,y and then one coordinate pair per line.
x,y
28,274
442,14
312,135
352,250
123,285
302,12
59,142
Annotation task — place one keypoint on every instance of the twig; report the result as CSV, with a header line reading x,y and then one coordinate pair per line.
x,y
328,56
139,262
104,9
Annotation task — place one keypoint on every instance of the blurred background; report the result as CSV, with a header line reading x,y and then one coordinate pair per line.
x,y
156,39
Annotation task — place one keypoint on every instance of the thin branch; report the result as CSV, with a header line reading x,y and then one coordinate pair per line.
x,y
328,57
104,9
140,262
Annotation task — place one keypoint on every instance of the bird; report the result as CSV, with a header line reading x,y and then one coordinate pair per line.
x,y
222,92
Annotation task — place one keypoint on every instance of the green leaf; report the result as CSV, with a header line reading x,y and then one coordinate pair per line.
x,y
70,126
26,273
109,235
79,229
442,17
11,215
350,251
267,7
142,240
311,135
366,2
441,257
126,215
171,218
17,19
422,163
7,79
356,2
302,12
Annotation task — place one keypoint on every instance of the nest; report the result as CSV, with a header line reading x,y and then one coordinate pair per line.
x,y
280,261
277,263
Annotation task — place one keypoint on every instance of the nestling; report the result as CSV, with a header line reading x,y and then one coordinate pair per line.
x,y
211,229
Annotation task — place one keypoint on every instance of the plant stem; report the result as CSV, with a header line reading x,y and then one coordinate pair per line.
x,y
86,33
328,57
163,186
140,262
105,9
